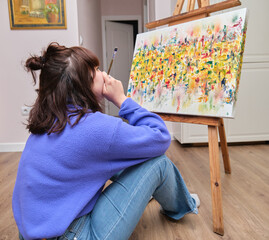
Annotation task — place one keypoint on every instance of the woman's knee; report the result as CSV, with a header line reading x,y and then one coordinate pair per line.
x,y
163,159
164,164
161,166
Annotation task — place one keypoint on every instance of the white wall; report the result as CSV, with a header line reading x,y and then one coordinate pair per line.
x,y
151,10
121,7
16,85
162,9
89,26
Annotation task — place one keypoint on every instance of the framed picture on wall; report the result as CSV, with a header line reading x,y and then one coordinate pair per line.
x,y
37,14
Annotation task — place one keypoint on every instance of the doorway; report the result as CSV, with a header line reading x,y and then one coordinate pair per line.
x,y
120,33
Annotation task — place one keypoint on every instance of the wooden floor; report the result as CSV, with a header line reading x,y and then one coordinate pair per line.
x,y
245,197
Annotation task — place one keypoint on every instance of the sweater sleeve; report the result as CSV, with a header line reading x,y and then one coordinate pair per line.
x,y
146,136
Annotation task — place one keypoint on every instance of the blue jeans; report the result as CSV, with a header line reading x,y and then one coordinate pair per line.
x,y
122,203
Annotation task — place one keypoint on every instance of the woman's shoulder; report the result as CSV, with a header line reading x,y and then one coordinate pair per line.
x,y
102,117
98,127
99,120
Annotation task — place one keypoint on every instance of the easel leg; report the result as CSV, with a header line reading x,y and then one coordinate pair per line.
x,y
216,196
224,148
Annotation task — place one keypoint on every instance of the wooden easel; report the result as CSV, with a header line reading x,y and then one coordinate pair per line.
x,y
215,124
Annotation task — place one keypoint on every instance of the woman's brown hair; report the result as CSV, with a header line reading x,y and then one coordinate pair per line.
x,y
65,87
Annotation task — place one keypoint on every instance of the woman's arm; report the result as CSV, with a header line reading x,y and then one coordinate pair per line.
x,y
146,136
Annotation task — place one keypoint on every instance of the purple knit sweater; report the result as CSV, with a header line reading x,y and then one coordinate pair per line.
x,y
61,176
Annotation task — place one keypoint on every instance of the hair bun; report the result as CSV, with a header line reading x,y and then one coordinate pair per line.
x,y
35,63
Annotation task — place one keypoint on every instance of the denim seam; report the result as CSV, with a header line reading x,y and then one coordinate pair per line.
x,y
112,203
93,232
121,184
134,192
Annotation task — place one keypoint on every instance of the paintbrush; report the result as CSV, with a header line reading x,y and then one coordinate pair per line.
x,y
113,57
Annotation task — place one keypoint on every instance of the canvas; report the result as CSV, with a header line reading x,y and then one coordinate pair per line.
x,y
191,68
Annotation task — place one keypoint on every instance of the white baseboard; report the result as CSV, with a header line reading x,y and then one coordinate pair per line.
x,y
12,147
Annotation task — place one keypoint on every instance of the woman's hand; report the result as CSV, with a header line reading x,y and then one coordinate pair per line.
x,y
113,90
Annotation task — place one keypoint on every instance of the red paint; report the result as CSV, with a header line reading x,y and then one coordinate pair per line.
x,y
178,103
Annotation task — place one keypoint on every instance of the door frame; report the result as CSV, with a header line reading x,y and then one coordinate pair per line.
x,y
117,18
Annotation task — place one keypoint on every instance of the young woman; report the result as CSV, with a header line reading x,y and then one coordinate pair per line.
x,y
74,149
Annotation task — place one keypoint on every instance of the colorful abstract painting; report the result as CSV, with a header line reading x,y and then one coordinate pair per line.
x,y
191,68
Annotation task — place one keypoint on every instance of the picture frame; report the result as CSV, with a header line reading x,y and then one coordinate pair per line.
x,y
37,14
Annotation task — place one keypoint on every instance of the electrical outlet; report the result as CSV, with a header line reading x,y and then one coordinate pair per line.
x,y
25,110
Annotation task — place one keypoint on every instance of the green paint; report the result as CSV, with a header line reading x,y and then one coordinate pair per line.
x,y
211,103
234,19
